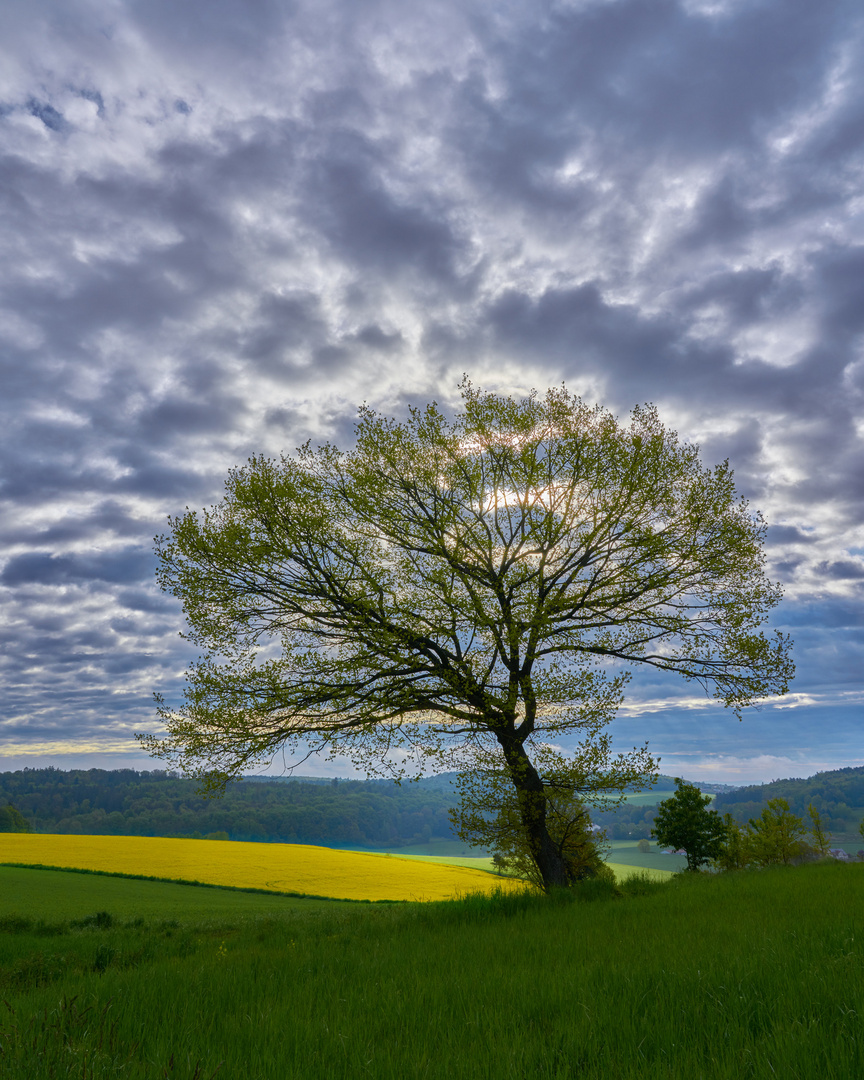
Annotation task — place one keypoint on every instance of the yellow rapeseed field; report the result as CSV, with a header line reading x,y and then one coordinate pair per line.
x,y
299,868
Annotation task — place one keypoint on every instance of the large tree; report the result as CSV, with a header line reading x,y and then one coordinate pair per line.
x,y
475,587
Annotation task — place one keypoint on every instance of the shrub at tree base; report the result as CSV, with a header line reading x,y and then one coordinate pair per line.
x,y
489,817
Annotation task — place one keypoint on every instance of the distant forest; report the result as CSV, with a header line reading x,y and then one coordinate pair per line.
x,y
837,795
129,803
369,813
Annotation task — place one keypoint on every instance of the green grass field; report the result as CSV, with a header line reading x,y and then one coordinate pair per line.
x,y
726,976
442,848
624,862
52,895
651,797
627,853
624,856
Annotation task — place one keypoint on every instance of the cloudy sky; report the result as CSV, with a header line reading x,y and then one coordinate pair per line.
x,y
225,223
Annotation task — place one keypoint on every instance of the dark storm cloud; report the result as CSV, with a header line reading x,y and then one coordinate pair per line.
x,y
224,224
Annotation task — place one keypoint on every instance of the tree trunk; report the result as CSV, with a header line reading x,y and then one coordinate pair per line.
x,y
532,809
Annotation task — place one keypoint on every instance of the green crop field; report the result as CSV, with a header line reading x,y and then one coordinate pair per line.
x,y
52,895
711,977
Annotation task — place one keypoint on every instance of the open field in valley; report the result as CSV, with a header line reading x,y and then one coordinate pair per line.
x,y
649,798
625,853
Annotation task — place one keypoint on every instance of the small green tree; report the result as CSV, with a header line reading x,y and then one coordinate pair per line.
x,y
685,822
500,863
821,836
777,836
644,846
735,853
12,820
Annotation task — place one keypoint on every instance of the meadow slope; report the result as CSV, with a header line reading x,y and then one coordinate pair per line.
x,y
708,977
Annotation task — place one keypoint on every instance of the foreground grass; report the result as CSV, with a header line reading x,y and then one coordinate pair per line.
x,y
751,975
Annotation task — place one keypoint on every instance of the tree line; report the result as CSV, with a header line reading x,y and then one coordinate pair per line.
x,y
366,813
128,803
837,796
776,837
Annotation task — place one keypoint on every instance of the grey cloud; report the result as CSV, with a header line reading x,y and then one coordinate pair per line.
x,y
576,330
720,217
46,569
843,569
282,209
789,534
284,324
221,29
147,600
362,221
630,80
50,117
34,481
746,296
842,285
579,328
161,481
378,339
166,419
785,569
743,446
108,518
283,417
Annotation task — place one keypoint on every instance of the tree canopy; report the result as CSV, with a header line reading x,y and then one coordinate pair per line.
x,y
465,593
12,820
684,821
